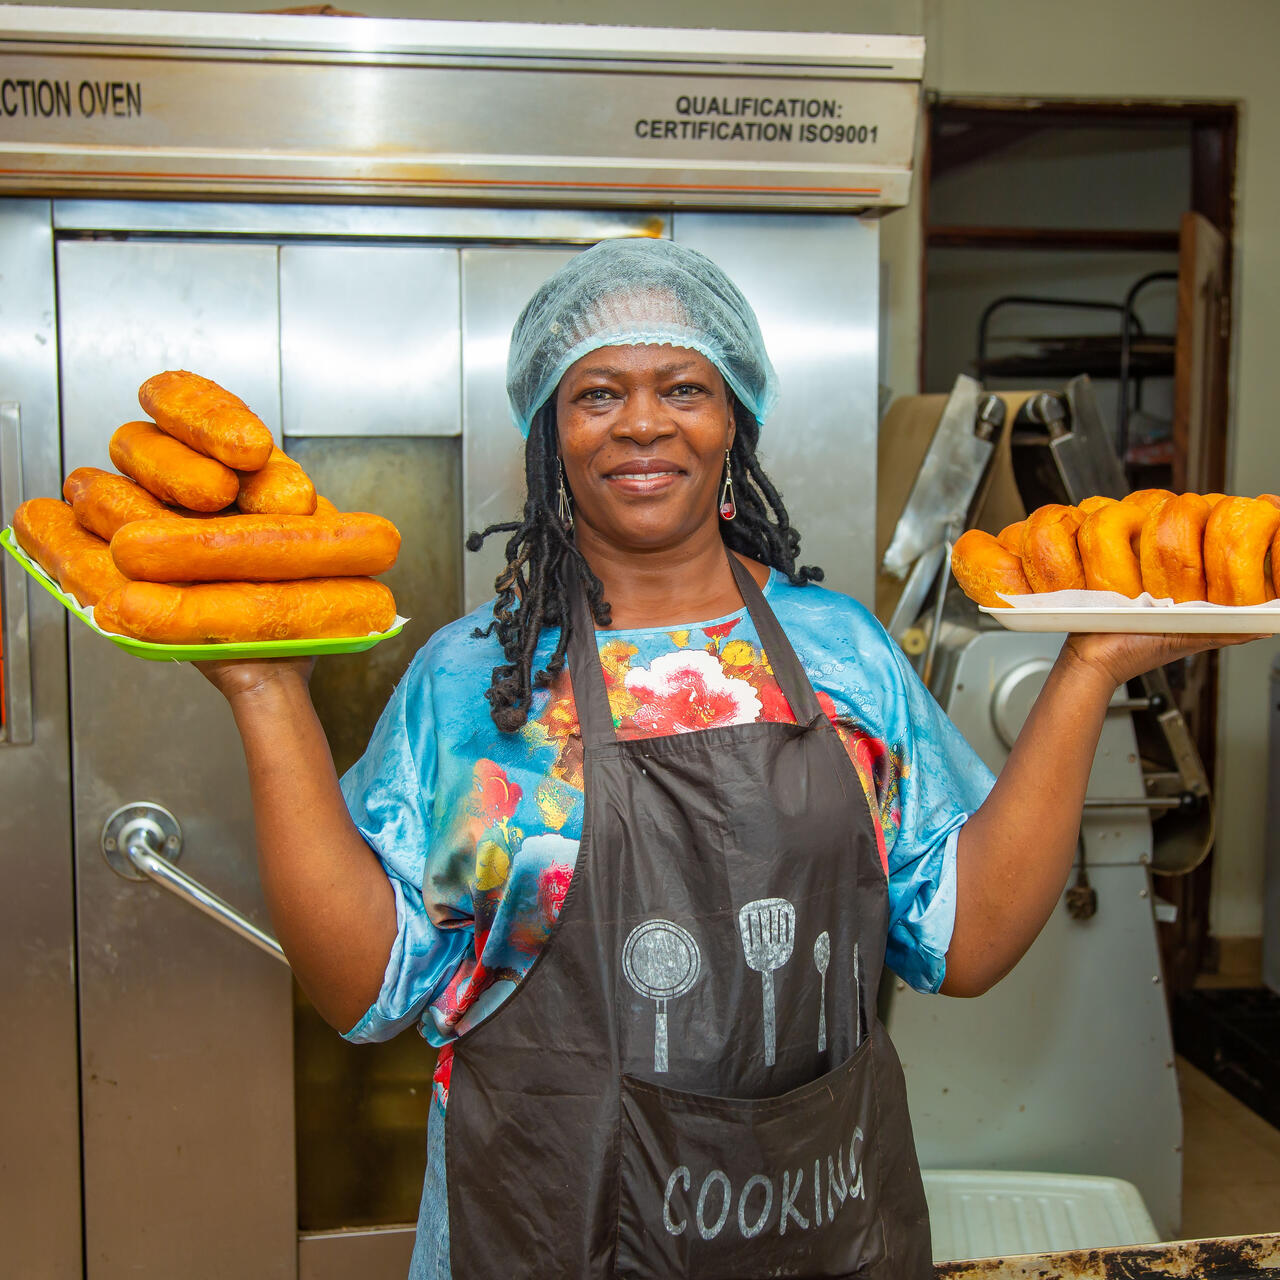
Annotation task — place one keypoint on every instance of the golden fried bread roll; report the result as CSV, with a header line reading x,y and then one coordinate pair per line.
x,y
324,507
256,548
171,471
207,417
984,569
1108,541
1171,549
77,560
279,488
234,612
104,501
1237,549
1050,557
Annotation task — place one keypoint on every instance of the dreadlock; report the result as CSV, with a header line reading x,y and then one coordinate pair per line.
x,y
533,588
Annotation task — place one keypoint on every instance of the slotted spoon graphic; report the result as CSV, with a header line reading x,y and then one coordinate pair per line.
x,y
768,928
661,961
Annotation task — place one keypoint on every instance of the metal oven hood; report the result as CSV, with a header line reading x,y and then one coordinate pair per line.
x,y
267,106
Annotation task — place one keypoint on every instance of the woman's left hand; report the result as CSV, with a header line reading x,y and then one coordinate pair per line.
x,y
1122,657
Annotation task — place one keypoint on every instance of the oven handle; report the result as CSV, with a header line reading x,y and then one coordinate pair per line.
x,y
132,840
18,725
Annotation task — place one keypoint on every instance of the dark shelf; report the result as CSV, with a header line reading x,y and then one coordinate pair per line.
x,y
1050,238
1150,356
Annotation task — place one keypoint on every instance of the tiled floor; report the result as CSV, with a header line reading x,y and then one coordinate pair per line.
x,y
1230,1164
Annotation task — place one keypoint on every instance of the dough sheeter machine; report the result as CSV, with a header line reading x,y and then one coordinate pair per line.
x,y
1067,1066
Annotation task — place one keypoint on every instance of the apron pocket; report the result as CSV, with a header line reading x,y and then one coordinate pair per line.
x,y
728,1189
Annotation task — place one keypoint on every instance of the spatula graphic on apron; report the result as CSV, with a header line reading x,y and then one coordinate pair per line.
x,y
661,961
768,928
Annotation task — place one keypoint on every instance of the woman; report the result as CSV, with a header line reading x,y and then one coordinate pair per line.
x,y
684,838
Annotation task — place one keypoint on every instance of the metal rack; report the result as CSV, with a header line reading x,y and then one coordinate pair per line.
x,y
1131,356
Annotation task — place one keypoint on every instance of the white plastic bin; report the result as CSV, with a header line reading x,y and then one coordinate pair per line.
x,y
992,1213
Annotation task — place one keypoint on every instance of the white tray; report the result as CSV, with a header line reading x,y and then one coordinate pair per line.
x,y
1206,619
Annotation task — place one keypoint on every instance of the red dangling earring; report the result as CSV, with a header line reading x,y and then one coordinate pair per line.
x,y
728,508
564,508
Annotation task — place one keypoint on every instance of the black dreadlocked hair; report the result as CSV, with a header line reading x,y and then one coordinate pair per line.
x,y
533,588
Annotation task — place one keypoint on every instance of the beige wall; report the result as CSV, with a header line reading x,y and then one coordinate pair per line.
x,y
1084,48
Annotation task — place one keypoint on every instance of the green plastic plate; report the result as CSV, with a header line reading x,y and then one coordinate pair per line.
x,y
195,652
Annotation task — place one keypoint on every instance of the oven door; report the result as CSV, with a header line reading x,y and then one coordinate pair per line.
x,y
226,1129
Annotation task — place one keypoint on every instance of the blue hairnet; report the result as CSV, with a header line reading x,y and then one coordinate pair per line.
x,y
630,293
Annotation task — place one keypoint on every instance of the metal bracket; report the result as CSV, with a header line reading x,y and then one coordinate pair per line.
x,y
133,839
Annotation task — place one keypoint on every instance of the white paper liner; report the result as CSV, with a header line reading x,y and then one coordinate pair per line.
x,y
1065,601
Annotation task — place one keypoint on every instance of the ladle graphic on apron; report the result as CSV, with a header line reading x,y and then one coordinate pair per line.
x,y
768,928
661,961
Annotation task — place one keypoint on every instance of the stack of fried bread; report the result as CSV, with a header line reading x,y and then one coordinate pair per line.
x,y
211,534
1179,547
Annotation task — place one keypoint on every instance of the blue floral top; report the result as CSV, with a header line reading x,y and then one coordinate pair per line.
x,y
479,829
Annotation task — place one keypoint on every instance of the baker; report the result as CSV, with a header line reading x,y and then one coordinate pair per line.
x,y
631,844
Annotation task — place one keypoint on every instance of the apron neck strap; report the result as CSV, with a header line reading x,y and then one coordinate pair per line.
x,y
595,718
786,666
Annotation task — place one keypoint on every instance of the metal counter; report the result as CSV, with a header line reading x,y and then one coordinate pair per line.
x,y
1227,1258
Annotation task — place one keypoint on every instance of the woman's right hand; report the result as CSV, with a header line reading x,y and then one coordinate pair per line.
x,y
235,676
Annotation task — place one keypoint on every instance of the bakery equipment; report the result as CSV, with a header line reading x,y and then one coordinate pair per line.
x,y
337,219
1067,1065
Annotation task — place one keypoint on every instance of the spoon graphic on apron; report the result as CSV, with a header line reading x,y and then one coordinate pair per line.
x,y
661,961
822,958
768,928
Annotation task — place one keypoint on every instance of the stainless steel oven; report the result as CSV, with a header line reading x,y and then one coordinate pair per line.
x,y
248,197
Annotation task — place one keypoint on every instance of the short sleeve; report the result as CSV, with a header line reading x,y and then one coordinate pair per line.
x,y
943,782
389,792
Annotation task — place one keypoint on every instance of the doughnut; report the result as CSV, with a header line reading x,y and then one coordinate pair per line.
x,y
1050,558
1171,549
1090,505
1148,499
1010,537
1237,544
1185,548
1108,541
983,568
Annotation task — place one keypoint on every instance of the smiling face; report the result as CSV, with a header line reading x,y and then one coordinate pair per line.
x,y
643,432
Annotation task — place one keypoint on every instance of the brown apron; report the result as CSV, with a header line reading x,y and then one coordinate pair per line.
x,y
691,1080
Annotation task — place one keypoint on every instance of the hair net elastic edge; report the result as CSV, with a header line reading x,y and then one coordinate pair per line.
x,y
631,337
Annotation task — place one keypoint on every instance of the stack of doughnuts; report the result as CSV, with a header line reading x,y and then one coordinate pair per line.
x,y
211,534
1179,547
